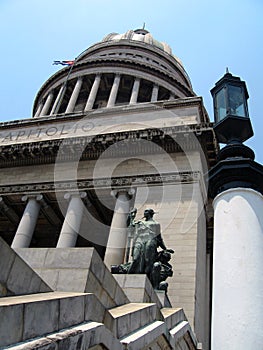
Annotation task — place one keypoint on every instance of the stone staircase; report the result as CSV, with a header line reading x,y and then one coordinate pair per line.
x,y
87,308
49,321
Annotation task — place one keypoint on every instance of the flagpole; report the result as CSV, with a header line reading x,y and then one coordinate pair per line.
x,y
56,108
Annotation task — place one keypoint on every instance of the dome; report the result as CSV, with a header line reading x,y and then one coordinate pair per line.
x,y
122,69
141,35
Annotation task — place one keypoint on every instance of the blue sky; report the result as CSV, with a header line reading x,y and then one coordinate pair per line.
x,y
206,35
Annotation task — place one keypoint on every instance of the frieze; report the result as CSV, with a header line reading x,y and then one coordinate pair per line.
x,y
140,180
90,147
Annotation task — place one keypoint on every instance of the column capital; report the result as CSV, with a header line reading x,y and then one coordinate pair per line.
x,y
69,195
128,191
37,197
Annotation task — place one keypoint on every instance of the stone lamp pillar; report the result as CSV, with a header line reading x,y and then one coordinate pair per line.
x,y
236,184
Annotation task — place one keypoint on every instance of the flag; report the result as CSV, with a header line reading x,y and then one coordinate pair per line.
x,y
64,63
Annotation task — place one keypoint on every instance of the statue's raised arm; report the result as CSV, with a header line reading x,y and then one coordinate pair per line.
x,y
130,232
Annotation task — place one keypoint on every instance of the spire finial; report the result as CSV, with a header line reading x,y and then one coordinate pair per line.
x,y
227,71
143,27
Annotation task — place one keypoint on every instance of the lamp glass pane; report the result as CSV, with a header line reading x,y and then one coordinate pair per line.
x,y
236,101
220,101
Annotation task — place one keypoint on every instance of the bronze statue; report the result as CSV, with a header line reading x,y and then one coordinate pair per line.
x,y
146,236
161,270
146,241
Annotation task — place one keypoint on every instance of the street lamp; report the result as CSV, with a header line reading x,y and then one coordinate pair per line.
x,y
232,123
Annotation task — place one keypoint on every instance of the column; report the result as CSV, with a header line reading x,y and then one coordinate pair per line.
x,y
58,100
74,96
114,91
70,228
47,103
93,93
117,240
155,93
135,90
237,304
28,222
39,108
172,96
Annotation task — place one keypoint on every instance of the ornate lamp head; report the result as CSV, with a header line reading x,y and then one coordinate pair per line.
x,y
232,123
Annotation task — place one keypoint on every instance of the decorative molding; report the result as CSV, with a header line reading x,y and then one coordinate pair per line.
x,y
170,139
107,183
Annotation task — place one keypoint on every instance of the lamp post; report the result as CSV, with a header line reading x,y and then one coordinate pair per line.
x,y
236,187
232,122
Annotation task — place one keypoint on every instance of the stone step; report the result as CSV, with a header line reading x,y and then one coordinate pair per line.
x,y
125,319
182,334
75,270
17,277
173,316
29,316
83,336
138,288
153,335
179,328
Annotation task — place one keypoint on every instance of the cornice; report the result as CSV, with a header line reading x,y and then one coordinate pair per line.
x,y
170,139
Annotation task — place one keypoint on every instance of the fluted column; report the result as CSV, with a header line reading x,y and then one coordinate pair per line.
x,y
74,96
47,104
93,93
28,222
58,100
155,93
70,228
135,90
114,91
117,240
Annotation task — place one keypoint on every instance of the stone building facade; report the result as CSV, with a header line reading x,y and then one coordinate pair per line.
x,y
120,127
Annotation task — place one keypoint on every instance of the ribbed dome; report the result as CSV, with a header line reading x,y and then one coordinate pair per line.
x,y
141,35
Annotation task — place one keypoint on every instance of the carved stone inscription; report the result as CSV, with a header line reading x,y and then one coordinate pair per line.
x,y
87,126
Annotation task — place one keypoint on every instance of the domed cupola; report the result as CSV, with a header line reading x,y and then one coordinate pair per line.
x,y
122,69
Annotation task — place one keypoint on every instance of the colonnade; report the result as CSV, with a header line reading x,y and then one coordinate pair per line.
x,y
53,106
116,245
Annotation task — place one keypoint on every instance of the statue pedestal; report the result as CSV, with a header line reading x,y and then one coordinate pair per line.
x,y
139,289
163,297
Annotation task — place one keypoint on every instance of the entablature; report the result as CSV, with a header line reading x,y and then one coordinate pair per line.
x,y
170,139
